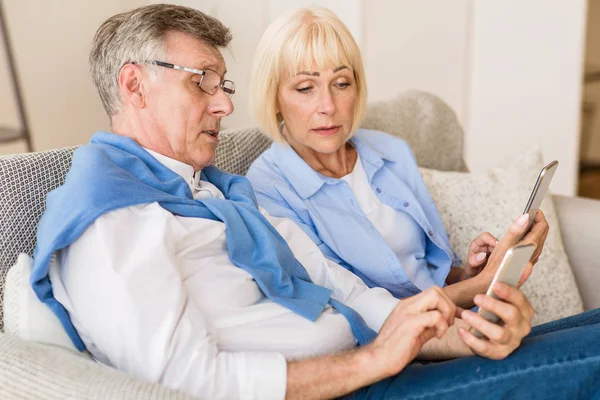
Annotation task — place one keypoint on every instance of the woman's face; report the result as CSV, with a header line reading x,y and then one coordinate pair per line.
x,y
317,107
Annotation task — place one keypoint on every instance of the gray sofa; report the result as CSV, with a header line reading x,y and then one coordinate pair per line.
x,y
31,370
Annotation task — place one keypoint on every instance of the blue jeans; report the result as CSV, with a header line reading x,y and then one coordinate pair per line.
x,y
558,360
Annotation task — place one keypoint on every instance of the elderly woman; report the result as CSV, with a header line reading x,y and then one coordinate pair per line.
x,y
357,193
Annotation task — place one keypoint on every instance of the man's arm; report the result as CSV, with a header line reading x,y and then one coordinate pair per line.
x,y
126,286
410,325
448,347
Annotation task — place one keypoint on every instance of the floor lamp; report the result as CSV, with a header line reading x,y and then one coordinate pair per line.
x,y
12,134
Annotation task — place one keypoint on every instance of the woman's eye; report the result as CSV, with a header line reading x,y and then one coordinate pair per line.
x,y
304,89
343,85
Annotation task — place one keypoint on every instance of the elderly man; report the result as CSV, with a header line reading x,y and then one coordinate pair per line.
x,y
163,266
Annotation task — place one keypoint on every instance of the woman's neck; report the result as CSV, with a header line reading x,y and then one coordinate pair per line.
x,y
335,165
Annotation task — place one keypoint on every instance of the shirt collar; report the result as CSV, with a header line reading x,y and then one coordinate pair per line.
x,y
368,152
186,171
306,181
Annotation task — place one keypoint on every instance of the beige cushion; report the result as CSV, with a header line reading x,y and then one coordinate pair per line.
x,y
471,203
427,123
30,370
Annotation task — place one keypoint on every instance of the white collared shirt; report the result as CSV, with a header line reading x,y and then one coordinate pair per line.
x,y
155,295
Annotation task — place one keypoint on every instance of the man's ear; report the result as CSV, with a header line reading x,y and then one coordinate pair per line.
x,y
130,86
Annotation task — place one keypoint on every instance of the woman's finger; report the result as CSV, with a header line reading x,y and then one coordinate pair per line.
x,y
526,274
484,241
513,233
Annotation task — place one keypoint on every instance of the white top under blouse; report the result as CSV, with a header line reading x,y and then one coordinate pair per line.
x,y
400,231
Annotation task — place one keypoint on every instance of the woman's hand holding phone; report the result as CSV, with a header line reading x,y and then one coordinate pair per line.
x,y
536,236
512,307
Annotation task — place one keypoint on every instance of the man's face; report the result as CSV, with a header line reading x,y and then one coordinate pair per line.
x,y
181,120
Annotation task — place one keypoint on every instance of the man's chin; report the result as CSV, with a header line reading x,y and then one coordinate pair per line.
x,y
204,161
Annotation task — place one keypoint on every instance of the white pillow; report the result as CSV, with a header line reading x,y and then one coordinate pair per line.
x,y
25,315
472,203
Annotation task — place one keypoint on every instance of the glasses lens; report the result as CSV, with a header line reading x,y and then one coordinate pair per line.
x,y
210,81
229,88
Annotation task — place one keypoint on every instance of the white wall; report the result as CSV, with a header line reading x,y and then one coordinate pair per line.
x,y
527,60
511,69
51,44
410,44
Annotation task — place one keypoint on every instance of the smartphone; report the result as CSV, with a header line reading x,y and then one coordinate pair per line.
x,y
510,271
538,193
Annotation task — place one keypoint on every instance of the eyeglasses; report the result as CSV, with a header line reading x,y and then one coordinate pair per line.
x,y
209,83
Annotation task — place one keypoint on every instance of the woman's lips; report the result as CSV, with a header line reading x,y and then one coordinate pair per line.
x,y
327,131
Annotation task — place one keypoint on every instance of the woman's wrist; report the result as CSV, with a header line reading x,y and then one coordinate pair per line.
x,y
456,274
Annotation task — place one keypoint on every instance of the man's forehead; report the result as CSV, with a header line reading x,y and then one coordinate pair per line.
x,y
188,51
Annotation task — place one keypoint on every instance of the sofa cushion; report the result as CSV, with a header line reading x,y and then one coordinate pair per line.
x,y
25,315
25,179
472,203
30,370
427,123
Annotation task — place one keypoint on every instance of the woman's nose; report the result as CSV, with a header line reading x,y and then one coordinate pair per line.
x,y
326,103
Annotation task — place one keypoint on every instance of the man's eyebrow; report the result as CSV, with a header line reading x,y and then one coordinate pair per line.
x,y
211,66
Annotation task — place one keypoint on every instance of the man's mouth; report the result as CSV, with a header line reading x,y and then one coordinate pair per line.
x,y
212,132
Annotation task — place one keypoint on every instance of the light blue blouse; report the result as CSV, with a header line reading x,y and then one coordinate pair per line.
x,y
327,210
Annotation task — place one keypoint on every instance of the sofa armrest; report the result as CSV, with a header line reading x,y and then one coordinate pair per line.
x,y
30,370
580,229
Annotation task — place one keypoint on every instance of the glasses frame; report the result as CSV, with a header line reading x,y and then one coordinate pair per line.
x,y
228,91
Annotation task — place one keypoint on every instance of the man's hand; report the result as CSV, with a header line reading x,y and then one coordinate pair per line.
x,y
516,312
414,321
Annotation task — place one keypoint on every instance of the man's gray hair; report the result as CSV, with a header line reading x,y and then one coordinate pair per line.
x,y
139,35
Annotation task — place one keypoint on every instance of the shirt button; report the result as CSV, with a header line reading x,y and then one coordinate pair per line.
x,y
406,204
430,233
378,190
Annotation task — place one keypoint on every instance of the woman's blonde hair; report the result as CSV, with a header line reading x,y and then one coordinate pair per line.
x,y
300,41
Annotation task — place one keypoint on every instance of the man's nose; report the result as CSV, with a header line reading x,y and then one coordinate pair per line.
x,y
220,104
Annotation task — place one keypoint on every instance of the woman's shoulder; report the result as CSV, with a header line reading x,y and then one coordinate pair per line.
x,y
264,170
383,142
